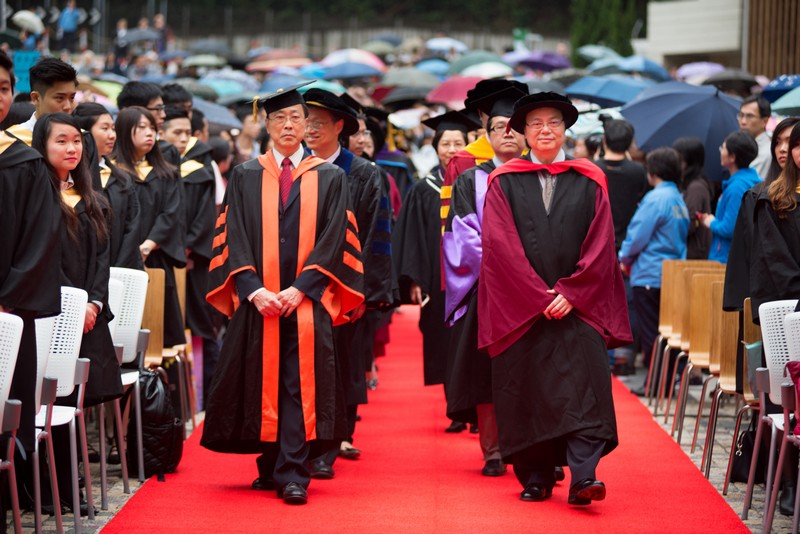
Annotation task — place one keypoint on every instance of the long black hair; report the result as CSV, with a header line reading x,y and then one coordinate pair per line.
x,y
95,204
124,151
86,114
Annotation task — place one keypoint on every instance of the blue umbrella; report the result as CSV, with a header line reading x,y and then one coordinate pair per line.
x,y
217,115
439,67
666,111
350,70
608,91
640,64
279,81
780,86
313,70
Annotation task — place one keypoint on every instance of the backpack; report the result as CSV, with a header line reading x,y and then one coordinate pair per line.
x,y
162,432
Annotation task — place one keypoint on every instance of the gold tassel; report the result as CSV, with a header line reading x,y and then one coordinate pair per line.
x,y
390,136
255,108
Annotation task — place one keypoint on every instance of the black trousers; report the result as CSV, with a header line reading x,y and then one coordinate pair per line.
x,y
535,465
646,302
285,460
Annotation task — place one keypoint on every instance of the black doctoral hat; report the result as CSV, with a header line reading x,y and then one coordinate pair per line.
x,y
319,98
282,98
452,120
485,88
380,115
353,103
545,99
501,103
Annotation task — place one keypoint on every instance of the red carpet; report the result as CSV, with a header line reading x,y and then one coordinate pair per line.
x,y
413,477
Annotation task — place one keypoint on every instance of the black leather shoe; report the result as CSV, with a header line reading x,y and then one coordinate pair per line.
x,y
293,493
558,473
493,468
535,493
320,470
586,491
456,427
473,428
788,493
263,484
349,453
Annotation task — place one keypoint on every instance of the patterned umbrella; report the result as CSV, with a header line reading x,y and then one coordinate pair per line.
x,y
353,55
780,86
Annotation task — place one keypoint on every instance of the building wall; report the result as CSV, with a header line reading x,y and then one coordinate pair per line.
x,y
773,33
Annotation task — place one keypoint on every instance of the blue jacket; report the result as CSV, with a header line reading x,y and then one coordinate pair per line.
x,y
656,233
733,189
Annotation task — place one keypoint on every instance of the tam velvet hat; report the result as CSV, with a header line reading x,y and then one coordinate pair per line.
x,y
545,99
319,98
452,120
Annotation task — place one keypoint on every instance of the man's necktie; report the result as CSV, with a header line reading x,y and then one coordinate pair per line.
x,y
547,190
285,180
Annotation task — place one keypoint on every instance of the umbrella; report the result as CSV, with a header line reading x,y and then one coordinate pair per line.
x,y
205,60
538,85
445,44
210,46
255,52
607,91
136,35
666,111
567,76
109,88
543,60
780,86
639,64
279,81
734,80
11,38
224,87
111,77
379,48
698,69
312,70
453,91
174,54
593,52
409,77
387,37
488,69
217,115
28,21
349,71
788,104
353,55
247,82
439,67
473,58
325,85
404,94
268,65
197,89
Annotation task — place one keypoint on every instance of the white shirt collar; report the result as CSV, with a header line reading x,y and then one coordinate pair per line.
x,y
30,123
496,162
296,158
561,156
68,184
332,157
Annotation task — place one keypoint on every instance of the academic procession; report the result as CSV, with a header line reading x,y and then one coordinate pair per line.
x,y
413,287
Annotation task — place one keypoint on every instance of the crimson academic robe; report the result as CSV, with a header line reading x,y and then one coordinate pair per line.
x,y
550,378
30,260
416,245
313,235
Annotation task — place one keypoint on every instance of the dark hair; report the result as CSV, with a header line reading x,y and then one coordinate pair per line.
x,y
49,71
665,163
18,113
774,167
782,191
173,112
86,115
137,94
6,63
764,109
378,134
125,152
742,146
220,148
175,93
198,120
22,96
95,203
693,154
593,142
438,137
618,135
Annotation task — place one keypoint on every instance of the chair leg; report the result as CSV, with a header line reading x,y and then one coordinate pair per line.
x,y
748,496
663,380
671,384
87,475
137,401
12,486
76,492
121,446
771,469
700,411
680,403
769,513
191,399
37,490
103,462
736,430
649,384
711,433
182,393
54,484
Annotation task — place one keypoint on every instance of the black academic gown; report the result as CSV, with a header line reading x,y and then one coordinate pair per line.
x,y
85,264
469,371
160,220
416,243
242,409
118,188
30,261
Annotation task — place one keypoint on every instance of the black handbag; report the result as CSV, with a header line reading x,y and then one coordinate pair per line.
x,y
743,455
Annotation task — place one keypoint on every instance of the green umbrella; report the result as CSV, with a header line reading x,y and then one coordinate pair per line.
x,y
325,85
474,57
205,60
379,48
111,89
788,104
409,77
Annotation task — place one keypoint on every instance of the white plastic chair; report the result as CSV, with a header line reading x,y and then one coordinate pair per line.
x,y
63,365
115,289
10,335
128,334
776,352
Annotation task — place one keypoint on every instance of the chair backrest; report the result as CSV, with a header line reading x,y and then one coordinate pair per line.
x,y
669,274
153,318
776,349
10,336
696,326
44,334
724,336
65,342
752,332
129,318
115,290
180,288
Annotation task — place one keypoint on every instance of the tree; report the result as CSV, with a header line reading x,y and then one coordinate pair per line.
x,y
607,22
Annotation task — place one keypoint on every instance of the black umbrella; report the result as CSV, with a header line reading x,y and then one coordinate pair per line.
x,y
733,80
137,35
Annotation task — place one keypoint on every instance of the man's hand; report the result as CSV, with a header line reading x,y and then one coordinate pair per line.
x,y
91,317
559,308
290,298
267,303
624,268
358,313
416,293
146,248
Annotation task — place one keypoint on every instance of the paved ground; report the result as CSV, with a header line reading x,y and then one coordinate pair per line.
x,y
735,497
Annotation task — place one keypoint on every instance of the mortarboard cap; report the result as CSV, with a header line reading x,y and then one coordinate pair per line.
x,y
319,98
452,120
353,103
485,88
501,103
380,115
282,98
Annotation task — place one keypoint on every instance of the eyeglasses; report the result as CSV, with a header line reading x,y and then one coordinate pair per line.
x,y
499,128
747,116
365,133
538,125
316,125
157,109
280,120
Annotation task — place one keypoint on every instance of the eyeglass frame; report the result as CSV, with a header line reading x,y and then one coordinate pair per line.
x,y
552,124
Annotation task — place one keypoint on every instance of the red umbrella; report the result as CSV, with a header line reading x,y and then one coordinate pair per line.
x,y
453,91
